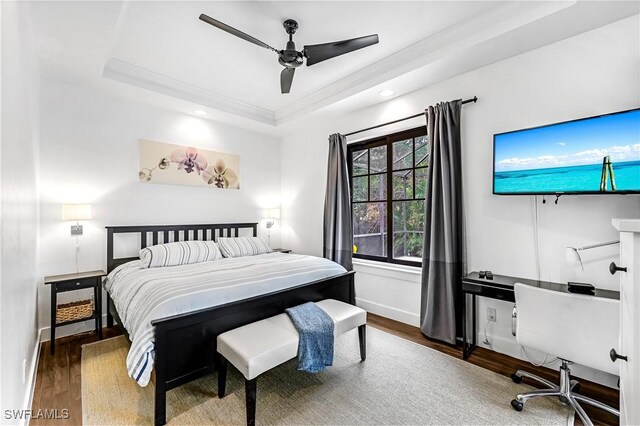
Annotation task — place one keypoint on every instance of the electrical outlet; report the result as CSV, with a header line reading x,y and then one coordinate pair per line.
x,y
24,370
491,314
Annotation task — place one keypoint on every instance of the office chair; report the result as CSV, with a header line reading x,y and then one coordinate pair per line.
x,y
573,327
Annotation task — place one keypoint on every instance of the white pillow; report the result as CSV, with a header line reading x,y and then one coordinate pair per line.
x,y
242,246
179,253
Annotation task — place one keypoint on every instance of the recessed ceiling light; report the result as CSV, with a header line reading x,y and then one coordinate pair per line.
x,y
386,93
200,112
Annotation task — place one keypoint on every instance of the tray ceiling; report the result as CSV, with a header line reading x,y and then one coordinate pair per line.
x,y
163,47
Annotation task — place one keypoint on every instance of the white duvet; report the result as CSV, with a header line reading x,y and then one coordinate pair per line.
x,y
144,295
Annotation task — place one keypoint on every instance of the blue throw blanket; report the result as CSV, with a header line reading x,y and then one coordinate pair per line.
x,y
315,327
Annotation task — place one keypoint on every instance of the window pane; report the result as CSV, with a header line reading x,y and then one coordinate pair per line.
x,y
369,229
360,164
378,187
422,151
378,159
403,185
408,228
402,154
421,182
360,188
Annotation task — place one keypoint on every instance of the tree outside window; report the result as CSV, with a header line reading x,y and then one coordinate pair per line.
x,y
388,185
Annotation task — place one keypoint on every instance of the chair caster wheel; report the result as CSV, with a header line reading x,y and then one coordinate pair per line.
x,y
576,388
516,379
517,405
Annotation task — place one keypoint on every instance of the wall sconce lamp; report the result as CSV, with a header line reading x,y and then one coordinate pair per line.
x,y
572,254
76,212
271,215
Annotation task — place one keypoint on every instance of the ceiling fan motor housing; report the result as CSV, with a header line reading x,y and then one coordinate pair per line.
x,y
290,57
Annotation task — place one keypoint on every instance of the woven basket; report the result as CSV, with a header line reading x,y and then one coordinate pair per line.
x,y
74,310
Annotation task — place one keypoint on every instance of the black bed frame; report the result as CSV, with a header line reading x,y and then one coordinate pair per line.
x,y
184,343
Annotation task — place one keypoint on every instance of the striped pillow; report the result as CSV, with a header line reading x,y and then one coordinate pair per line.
x,y
242,246
179,253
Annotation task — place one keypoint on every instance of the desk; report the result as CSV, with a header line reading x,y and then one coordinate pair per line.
x,y
501,288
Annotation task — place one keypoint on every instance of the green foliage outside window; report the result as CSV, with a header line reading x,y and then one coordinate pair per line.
x,y
374,197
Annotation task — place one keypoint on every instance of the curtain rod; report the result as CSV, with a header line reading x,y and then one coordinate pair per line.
x,y
466,101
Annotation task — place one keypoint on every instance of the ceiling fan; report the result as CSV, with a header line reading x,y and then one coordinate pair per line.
x,y
290,58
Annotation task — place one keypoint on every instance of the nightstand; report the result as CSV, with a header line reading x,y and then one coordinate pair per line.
x,y
71,313
282,250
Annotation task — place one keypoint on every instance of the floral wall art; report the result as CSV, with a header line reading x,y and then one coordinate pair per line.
x,y
181,165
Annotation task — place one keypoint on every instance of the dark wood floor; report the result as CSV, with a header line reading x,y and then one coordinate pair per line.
x,y
58,377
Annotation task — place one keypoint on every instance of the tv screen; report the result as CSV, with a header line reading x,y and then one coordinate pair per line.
x,y
596,155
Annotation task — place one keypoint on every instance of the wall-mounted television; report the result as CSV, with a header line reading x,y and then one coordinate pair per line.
x,y
594,155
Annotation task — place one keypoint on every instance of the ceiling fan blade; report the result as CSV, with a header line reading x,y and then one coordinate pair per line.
x,y
321,52
235,32
286,78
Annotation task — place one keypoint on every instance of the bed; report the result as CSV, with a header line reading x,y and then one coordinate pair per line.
x,y
182,341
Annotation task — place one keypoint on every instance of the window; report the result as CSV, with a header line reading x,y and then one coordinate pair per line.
x,y
388,178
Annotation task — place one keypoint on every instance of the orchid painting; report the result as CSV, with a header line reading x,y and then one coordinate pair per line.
x,y
174,164
220,175
189,159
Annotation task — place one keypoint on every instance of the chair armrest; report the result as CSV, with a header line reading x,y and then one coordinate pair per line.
x,y
514,320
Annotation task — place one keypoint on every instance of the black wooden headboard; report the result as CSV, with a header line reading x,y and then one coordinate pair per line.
x,y
170,233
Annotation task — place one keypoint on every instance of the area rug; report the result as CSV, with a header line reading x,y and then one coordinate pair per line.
x,y
400,383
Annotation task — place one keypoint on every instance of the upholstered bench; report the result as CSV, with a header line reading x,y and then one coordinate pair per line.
x,y
258,347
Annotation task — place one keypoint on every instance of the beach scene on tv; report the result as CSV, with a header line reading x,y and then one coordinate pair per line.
x,y
600,154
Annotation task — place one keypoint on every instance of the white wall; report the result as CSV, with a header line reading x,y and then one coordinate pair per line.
x,y
593,73
89,154
19,211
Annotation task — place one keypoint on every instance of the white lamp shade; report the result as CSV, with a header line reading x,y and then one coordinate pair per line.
x,y
571,255
273,213
76,211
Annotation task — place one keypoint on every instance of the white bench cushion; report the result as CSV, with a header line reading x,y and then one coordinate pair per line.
x,y
258,347
345,317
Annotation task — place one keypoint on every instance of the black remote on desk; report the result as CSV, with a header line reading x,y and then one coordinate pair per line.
x,y
582,288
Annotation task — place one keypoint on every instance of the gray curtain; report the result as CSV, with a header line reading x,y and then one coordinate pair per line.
x,y
443,260
338,231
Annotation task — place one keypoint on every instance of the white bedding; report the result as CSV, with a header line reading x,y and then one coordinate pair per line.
x,y
144,295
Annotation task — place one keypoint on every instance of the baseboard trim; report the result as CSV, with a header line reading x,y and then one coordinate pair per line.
x,y
70,330
389,312
33,372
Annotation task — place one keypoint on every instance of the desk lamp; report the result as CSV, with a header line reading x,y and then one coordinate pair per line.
x,y
572,254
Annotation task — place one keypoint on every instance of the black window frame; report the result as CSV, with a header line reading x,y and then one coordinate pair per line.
x,y
386,140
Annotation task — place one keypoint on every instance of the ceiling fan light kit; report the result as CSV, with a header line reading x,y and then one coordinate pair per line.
x,y
291,58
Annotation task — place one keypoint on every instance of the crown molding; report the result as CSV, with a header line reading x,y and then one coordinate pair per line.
x,y
446,51
125,72
499,20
